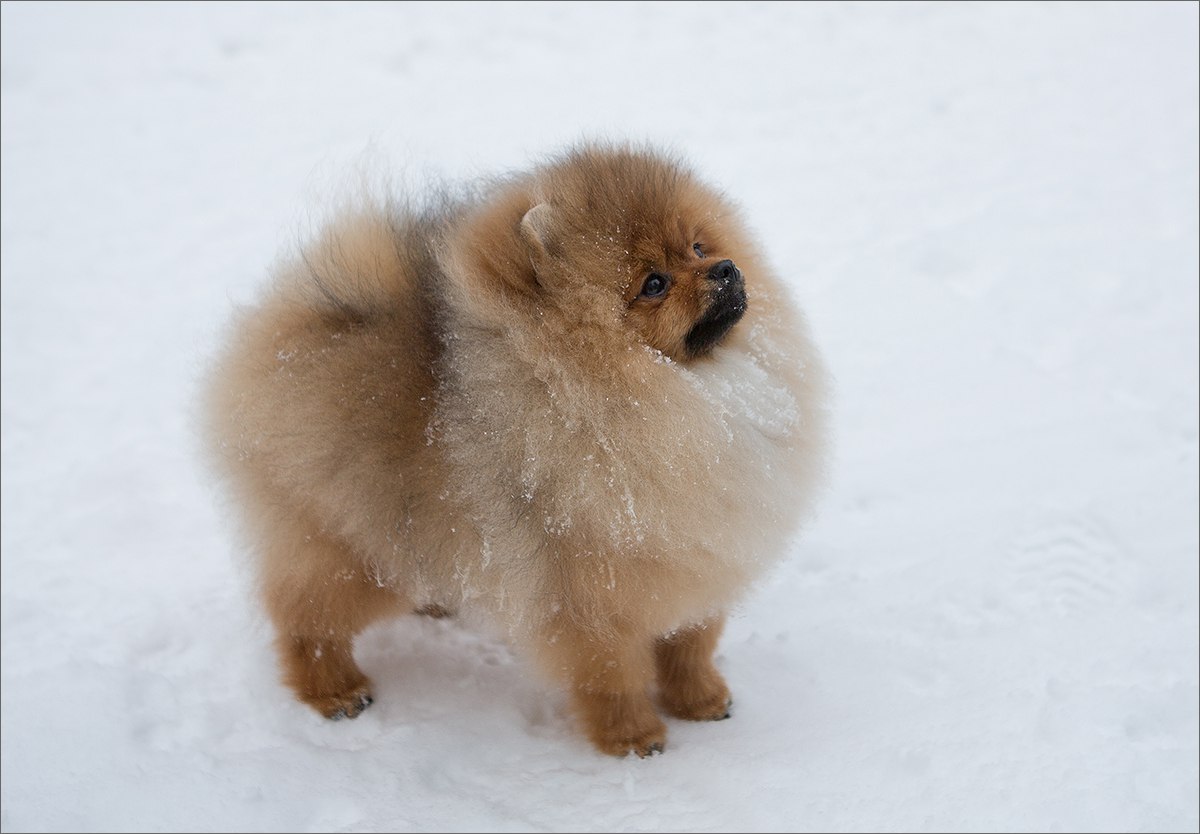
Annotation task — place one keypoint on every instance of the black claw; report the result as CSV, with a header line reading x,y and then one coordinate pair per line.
x,y
338,716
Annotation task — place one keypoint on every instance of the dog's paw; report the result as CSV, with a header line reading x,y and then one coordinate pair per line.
x,y
642,743
707,700
344,705
623,724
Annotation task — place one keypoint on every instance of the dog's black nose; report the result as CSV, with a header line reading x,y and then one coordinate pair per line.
x,y
726,272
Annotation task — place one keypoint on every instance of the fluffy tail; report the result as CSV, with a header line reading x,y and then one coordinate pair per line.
x,y
367,262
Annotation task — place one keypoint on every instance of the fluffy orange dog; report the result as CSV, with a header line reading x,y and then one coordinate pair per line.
x,y
577,400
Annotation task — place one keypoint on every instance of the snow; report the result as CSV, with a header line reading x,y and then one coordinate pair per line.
x,y
989,213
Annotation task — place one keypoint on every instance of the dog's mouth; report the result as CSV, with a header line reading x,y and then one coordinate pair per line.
x,y
707,333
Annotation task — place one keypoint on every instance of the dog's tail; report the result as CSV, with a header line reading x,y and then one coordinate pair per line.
x,y
375,259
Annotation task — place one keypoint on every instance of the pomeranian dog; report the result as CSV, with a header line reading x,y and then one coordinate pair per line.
x,y
576,400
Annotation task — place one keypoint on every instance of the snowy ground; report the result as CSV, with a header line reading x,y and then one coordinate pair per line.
x,y
990,214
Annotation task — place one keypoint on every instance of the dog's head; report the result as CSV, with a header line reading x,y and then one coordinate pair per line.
x,y
618,232
640,228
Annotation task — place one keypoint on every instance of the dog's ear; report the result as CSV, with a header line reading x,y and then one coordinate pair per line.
x,y
497,253
538,231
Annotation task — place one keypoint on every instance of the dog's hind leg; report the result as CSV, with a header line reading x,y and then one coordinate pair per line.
x,y
319,598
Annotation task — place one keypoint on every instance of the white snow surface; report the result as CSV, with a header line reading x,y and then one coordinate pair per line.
x,y
989,213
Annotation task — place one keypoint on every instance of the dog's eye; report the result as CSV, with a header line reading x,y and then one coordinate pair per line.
x,y
655,285
698,250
